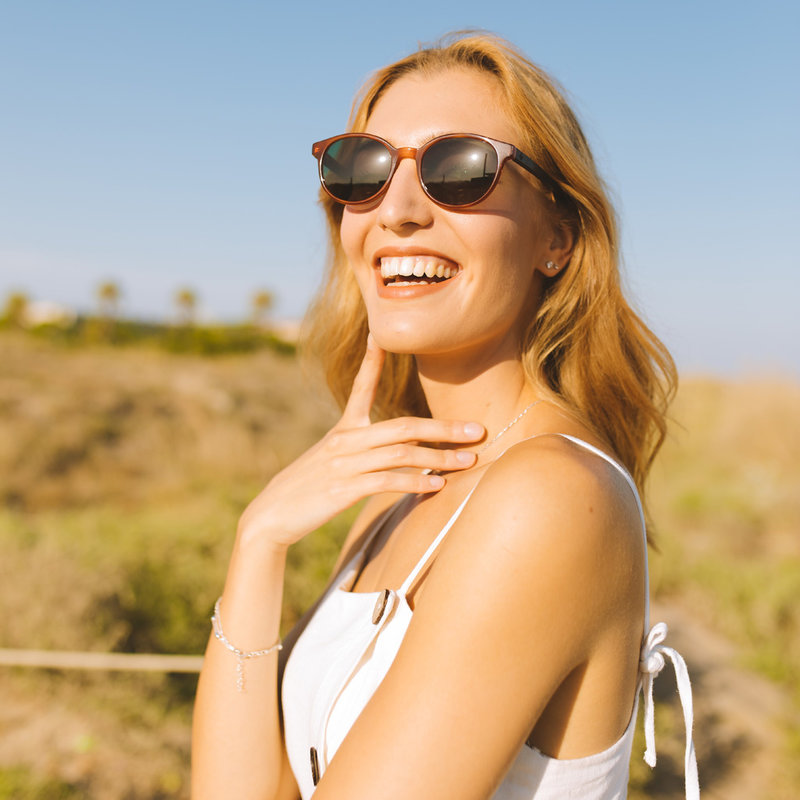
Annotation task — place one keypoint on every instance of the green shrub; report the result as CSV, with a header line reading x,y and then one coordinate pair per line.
x,y
20,784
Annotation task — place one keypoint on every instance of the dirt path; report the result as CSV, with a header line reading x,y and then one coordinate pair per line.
x,y
67,746
740,719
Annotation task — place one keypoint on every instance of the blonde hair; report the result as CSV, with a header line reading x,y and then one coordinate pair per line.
x,y
585,349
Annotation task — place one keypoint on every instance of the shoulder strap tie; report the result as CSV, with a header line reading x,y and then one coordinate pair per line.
x,y
651,662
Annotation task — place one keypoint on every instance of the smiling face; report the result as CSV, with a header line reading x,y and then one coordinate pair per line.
x,y
438,281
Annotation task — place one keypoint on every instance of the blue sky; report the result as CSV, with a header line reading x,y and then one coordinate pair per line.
x,y
167,144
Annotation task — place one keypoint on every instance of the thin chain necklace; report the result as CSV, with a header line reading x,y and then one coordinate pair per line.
x,y
507,427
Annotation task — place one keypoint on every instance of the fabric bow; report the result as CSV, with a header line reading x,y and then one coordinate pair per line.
x,y
651,662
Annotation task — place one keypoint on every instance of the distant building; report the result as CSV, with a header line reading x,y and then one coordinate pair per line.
x,y
44,312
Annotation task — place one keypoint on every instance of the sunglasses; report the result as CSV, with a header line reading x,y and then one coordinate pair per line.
x,y
456,170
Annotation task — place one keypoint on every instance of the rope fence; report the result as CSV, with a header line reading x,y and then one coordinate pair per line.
x,y
66,659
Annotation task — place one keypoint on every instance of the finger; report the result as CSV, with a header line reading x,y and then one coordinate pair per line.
x,y
365,385
405,429
402,482
372,483
402,456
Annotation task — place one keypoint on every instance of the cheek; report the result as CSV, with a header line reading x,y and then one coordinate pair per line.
x,y
509,288
510,252
516,231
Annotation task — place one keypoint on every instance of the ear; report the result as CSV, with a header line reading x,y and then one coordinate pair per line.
x,y
558,251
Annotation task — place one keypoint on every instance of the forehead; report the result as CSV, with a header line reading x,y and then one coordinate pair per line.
x,y
418,107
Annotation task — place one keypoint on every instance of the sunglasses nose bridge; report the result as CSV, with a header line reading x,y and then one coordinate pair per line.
x,y
406,152
399,154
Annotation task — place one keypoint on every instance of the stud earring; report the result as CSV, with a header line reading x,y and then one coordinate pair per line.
x,y
552,265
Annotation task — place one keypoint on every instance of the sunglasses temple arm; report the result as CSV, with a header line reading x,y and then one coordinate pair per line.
x,y
529,164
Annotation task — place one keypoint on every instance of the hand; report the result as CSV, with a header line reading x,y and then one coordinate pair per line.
x,y
355,459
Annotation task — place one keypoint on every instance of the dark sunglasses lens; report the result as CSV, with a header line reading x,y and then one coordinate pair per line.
x,y
458,171
355,168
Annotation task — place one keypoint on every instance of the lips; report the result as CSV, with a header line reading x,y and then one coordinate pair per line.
x,y
415,270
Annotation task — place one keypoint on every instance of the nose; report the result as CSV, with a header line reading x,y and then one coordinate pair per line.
x,y
404,203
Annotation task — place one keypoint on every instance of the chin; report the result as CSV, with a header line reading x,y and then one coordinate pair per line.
x,y
404,340
401,345
415,345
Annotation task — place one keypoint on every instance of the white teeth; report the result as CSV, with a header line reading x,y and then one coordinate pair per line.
x,y
417,266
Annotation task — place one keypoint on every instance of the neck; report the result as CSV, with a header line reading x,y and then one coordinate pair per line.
x,y
492,392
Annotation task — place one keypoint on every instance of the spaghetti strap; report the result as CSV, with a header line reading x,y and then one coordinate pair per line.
x,y
625,474
409,581
378,526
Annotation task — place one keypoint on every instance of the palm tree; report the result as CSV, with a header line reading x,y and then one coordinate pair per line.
x,y
186,301
108,295
263,301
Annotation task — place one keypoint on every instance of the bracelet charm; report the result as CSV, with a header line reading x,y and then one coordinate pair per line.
x,y
241,655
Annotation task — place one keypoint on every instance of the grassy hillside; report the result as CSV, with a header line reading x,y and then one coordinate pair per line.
x,y
122,474
725,494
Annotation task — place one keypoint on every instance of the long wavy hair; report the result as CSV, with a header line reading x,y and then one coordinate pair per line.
x,y
585,349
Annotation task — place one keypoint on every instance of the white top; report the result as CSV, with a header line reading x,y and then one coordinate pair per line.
x,y
351,641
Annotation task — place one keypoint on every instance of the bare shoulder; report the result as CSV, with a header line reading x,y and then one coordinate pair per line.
x,y
562,491
551,513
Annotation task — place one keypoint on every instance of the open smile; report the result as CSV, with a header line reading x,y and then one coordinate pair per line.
x,y
416,270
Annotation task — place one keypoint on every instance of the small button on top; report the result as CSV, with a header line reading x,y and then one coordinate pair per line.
x,y
380,606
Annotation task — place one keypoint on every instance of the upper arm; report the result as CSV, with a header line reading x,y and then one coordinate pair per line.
x,y
509,609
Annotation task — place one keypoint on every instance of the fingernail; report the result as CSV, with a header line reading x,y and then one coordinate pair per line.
x,y
473,429
436,481
465,456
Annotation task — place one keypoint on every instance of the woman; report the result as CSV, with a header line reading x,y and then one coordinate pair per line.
x,y
481,636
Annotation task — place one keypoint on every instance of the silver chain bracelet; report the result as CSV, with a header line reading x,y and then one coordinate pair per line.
x,y
241,655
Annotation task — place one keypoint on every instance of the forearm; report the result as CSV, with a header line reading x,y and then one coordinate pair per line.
x,y
237,748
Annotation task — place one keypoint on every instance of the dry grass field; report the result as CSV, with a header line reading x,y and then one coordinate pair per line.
x,y
123,471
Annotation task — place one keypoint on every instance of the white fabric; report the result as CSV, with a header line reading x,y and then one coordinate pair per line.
x,y
341,658
650,664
